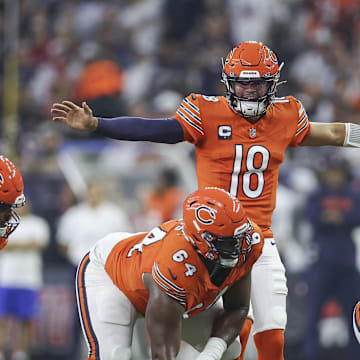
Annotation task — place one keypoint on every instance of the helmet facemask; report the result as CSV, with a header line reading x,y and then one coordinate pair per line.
x,y
251,61
9,223
229,251
215,222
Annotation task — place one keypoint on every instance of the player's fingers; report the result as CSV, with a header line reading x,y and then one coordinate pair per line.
x,y
61,107
58,112
86,108
59,118
71,105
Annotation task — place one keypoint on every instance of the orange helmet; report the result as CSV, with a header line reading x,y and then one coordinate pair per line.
x,y
11,196
216,224
251,61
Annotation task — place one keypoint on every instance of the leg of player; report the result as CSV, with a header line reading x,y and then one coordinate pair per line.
x,y
244,337
106,314
245,332
268,298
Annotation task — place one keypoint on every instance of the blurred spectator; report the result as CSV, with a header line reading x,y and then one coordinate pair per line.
x,y
79,228
21,280
100,84
288,204
165,103
252,20
333,210
82,224
164,201
166,44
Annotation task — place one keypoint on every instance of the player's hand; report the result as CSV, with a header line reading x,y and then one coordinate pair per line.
x,y
78,118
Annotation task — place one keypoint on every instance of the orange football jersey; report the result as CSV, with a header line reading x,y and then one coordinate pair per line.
x,y
239,156
175,266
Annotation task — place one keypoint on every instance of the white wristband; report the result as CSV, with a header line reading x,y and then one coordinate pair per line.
x,y
352,135
213,350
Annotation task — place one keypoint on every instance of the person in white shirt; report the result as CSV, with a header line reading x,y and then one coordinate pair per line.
x,y
83,224
21,279
78,230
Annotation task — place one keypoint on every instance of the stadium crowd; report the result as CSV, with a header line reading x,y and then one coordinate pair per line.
x,y
140,57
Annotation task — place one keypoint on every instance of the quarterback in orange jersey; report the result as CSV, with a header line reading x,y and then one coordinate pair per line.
x,y
247,155
175,276
11,197
240,140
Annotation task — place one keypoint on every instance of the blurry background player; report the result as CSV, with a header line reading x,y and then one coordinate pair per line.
x,y
11,197
21,279
163,201
253,128
178,270
356,321
333,210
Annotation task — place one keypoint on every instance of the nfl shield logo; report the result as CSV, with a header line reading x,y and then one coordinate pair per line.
x,y
252,133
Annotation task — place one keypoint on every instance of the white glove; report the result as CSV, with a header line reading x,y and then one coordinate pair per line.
x,y
213,350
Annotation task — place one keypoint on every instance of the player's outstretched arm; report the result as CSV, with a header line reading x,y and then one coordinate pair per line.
x,y
167,131
335,134
163,322
76,117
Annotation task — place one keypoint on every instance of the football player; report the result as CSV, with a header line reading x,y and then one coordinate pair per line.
x,y
179,270
356,321
11,197
253,128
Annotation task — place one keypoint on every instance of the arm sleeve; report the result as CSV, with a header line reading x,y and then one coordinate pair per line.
x,y
167,131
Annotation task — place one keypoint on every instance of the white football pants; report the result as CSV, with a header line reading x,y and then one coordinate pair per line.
x,y
268,290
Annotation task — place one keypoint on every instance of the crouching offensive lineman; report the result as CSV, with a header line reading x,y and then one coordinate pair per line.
x,y
189,277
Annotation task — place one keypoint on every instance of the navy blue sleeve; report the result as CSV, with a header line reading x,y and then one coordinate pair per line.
x,y
167,131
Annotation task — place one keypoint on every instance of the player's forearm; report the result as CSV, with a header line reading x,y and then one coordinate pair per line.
x,y
322,134
164,352
141,129
229,324
164,344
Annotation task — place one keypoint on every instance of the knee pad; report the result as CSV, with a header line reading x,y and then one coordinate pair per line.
x,y
279,280
121,353
279,317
